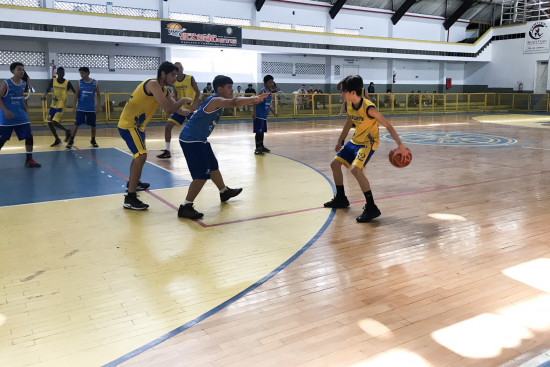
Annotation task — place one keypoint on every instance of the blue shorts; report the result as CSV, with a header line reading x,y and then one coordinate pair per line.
x,y
87,118
135,140
353,154
55,114
260,125
200,159
178,119
23,131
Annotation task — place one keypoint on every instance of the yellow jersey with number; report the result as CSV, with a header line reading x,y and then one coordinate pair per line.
x,y
185,89
366,128
140,108
60,93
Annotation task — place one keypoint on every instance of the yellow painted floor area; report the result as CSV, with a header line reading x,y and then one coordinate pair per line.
x,y
536,121
85,281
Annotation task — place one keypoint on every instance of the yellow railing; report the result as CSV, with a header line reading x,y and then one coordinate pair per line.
x,y
290,105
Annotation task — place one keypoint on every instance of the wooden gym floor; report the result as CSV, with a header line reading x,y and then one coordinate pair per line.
x,y
456,271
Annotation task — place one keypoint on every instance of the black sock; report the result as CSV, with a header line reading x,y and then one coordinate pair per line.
x,y
259,140
369,198
132,195
340,191
29,156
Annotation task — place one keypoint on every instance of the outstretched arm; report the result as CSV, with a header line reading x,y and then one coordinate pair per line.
x,y
220,102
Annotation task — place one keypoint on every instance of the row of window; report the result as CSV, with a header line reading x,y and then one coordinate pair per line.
x,y
73,60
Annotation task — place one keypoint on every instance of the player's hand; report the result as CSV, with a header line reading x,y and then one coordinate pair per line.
x,y
184,111
401,149
9,115
338,147
186,100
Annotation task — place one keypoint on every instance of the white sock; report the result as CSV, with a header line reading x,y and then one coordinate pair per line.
x,y
223,190
187,202
167,146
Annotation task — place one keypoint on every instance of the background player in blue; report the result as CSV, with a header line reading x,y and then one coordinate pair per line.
x,y
85,105
12,112
198,153
259,115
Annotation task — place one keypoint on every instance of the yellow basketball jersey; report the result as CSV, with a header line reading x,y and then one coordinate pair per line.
x,y
366,128
139,109
59,94
184,89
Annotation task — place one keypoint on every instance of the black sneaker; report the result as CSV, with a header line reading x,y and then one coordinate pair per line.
x,y
229,193
141,186
258,151
70,144
165,154
93,143
134,203
337,202
56,143
369,213
187,211
265,150
67,135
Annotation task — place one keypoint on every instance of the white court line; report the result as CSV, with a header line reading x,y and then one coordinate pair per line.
x,y
535,148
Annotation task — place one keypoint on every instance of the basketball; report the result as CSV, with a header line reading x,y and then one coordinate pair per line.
x,y
395,158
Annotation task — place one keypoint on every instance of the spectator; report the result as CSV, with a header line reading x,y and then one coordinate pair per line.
x,y
370,91
301,100
208,88
320,99
249,92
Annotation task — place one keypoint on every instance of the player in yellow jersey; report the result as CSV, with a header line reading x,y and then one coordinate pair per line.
x,y
61,88
143,103
185,86
357,152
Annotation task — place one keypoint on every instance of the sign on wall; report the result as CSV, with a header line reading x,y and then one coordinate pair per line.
x,y
197,34
537,38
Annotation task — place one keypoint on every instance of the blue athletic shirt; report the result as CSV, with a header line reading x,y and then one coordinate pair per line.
x,y
201,124
13,100
262,108
86,93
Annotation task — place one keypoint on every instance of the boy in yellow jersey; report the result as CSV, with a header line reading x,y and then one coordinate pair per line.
x,y
143,103
357,152
61,88
185,86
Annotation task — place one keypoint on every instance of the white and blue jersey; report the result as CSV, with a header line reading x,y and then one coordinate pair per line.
x,y
13,101
262,108
86,95
200,125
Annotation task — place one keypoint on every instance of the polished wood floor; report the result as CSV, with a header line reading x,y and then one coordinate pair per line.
x,y
456,271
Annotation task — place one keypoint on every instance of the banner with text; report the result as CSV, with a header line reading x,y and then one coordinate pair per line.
x,y
197,34
537,38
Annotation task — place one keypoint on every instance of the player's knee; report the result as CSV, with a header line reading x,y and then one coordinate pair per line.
x,y
335,164
356,171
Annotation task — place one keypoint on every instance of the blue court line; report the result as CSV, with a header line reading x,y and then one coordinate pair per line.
x,y
239,295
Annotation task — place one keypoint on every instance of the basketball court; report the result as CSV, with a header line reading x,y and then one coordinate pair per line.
x,y
454,272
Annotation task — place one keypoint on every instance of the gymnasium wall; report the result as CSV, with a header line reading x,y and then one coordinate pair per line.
x,y
498,67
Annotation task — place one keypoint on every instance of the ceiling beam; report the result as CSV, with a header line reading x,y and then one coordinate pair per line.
x,y
336,8
401,11
467,4
259,4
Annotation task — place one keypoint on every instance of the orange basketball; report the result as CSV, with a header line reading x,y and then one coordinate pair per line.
x,y
395,158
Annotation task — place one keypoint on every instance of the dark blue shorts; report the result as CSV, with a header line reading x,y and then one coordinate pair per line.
x,y
178,119
260,125
87,118
200,159
23,131
135,140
